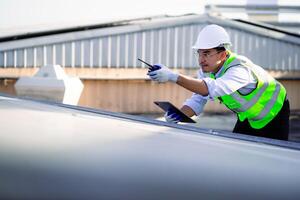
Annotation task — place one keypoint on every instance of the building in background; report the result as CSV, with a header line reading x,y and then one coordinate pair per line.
x,y
281,14
104,56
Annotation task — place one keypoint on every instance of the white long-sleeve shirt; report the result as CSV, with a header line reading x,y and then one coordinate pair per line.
x,y
236,78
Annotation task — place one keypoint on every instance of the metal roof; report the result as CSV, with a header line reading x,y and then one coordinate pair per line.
x,y
56,151
165,40
46,29
144,24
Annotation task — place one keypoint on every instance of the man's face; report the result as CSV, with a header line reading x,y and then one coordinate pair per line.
x,y
210,60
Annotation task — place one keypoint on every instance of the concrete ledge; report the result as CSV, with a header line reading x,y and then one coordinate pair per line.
x,y
122,73
92,73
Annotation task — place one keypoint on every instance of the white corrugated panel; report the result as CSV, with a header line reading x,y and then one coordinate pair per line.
x,y
168,42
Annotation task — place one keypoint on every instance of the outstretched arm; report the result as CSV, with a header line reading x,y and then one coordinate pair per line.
x,y
195,85
164,74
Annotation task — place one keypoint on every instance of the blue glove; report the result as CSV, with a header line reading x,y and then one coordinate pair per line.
x,y
162,74
154,67
172,117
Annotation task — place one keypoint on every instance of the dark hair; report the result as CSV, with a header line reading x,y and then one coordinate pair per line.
x,y
219,49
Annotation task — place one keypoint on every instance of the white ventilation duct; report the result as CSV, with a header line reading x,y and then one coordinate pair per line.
x,y
50,83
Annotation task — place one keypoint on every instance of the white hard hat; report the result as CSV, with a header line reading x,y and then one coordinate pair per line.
x,y
212,36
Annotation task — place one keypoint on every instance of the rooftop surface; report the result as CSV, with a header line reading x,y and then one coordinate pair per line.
x,y
50,151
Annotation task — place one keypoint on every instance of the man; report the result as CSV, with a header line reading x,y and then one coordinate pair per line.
x,y
259,100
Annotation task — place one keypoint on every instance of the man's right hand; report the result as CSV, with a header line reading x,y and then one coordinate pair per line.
x,y
162,74
172,117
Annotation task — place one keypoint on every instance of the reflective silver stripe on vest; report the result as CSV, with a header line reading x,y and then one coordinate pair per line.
x,y
245,106
235,95
238,98
270,104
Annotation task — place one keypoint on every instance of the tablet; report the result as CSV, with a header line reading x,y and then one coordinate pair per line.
x,y
166,106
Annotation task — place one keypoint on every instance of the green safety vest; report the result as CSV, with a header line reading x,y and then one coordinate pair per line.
x,y
262,104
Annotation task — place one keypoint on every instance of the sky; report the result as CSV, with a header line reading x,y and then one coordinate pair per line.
x,y
18,13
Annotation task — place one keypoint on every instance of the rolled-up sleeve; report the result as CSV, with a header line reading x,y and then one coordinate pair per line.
x,y
196,103
234,79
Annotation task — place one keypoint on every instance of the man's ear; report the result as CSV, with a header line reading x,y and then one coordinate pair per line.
x,y
224,55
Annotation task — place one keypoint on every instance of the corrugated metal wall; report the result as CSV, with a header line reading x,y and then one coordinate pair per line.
x,y
171,46
167,44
